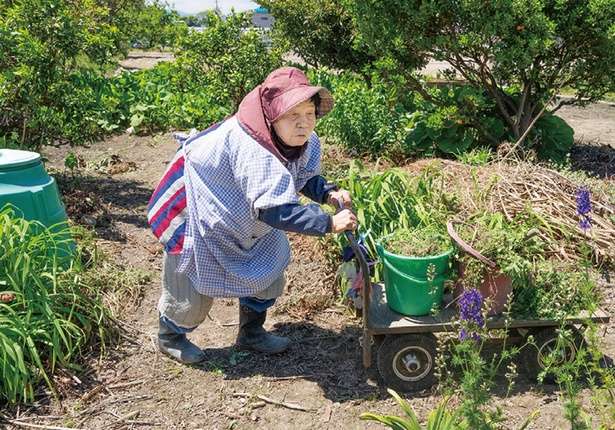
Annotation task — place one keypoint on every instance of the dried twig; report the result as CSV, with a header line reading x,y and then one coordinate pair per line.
x,y
126,384
293,406
35,426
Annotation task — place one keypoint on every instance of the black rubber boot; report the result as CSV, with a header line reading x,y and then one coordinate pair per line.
x,y
253,336
177,345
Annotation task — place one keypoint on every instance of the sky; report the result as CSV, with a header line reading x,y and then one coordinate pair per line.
x,y
194,6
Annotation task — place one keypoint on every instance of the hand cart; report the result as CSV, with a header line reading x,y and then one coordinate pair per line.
x,y
407,347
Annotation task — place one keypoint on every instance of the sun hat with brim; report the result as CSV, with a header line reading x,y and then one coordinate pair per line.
x,y
281,91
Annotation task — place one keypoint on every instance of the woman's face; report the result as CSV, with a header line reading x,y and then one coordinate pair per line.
x,y
296,125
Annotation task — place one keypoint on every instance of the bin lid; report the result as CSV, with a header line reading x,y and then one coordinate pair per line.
x,y
12,158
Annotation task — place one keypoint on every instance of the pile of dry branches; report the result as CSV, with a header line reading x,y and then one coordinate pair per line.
x,y
515,187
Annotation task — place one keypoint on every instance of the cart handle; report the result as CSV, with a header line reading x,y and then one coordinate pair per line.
x,y
364,268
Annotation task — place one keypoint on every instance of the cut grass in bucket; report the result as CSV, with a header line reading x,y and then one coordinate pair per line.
x,y
418,242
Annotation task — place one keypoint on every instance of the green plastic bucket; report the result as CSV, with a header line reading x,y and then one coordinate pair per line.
x,y
409,290
26,186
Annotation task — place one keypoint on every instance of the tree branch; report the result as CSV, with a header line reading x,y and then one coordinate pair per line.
x,y
563,103
527,130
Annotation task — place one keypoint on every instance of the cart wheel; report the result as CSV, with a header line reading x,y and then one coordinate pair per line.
x,y
407,362
535,356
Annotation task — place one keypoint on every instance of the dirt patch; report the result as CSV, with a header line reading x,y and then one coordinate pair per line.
x,y
135,386
593,124
140,60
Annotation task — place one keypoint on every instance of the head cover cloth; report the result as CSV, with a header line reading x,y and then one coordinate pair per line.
x,y
281,91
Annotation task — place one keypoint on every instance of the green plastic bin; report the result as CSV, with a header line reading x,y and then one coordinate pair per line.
x,y
25,184
408,289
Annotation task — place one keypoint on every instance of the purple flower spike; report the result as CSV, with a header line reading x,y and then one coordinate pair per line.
x,y
584,207
584,204
470,305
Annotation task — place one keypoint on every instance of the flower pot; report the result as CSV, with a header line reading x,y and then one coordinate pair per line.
x,y
413,285
495,287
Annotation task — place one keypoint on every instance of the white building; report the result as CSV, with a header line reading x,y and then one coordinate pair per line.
x,y
261,18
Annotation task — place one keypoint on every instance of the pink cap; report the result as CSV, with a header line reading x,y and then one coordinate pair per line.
x,y
282,90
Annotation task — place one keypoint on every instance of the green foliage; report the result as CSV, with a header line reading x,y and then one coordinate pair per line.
x,y
53,313
361,120
461,119
389,201
468,369
512,245
554,138
554,290
439,419
320,32
226,58
476,157
155,26
78,104
519,52
157,99
44,43
381,118
543,288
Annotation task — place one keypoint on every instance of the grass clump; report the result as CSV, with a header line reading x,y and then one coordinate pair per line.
x,y
50,314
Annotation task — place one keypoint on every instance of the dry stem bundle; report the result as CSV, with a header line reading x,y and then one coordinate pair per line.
x,y
514,187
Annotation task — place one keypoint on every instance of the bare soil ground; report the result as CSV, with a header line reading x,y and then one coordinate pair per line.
x,y
134,386
139,60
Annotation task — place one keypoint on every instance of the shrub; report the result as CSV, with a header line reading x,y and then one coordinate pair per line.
x,y
227,57
520,53
381,120
361,120
158,99
320,32
44,42
155,26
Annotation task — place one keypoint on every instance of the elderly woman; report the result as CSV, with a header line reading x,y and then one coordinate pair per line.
x,y
223,205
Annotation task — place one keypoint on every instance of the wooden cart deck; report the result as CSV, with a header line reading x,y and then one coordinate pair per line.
x,y
382,320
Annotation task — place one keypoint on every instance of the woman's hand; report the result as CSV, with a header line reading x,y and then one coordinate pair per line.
x,y
338,197
343,220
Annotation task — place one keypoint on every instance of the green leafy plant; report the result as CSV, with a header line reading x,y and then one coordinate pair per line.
x,y
228,58
439,419
362,119
44,43
53,314
554,290
383,118
511,245
156,26
307,27
54,306
389,201
476,157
